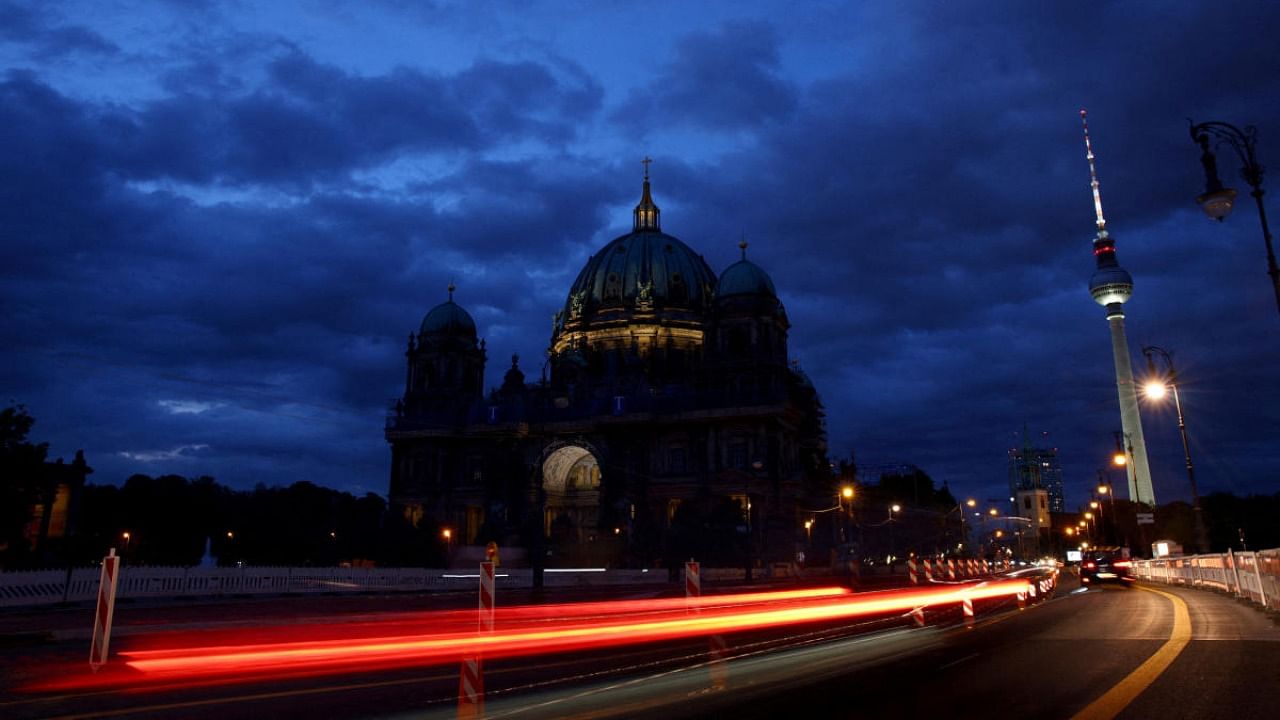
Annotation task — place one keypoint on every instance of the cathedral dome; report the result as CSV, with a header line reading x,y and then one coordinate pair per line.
x,y
745,278
645,277
643,268
449,318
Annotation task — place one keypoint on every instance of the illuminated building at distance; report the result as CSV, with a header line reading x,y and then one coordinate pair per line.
x,y
667,421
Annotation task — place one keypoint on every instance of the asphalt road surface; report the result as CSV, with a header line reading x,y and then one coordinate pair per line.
x,y
1131,652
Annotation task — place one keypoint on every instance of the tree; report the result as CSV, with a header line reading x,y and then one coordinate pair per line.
x,y
21,463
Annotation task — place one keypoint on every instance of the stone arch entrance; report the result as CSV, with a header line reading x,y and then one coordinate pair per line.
x,y
571,480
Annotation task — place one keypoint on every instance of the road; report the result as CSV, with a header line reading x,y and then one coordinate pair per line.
x,y
1135,652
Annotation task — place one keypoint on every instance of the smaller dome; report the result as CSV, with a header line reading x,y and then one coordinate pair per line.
x,y
745,278
1110,285
448,318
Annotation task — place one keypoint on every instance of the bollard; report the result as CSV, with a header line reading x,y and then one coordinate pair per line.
x,y
967,603
471,677
951,569
1022,601
917,616
911,571
928,570
102,616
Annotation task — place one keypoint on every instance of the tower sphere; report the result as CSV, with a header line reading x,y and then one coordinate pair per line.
x,y
1110,285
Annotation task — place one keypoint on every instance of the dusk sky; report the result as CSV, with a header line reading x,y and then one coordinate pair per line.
x,y
220,221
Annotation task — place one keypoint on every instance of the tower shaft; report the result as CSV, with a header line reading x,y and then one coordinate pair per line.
x,y
1140,489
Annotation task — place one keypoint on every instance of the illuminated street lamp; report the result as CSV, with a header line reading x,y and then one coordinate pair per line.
x,y
1156,387
846,493
1217,201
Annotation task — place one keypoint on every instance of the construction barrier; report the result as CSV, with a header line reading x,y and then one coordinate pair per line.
x,y
967,604
471,675
105,610
692,580
928,570
1251,575
911,571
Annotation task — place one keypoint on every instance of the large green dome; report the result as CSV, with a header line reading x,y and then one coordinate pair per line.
x,y
645,278
643,268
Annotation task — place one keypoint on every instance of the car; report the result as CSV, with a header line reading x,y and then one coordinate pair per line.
x,y
1105,564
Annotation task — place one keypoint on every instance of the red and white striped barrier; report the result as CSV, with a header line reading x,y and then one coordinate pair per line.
x,y
917,616
911,571
951,569
1031,589
719,669
967,604
471,677
1022,601
928,570
986,567
105,611
717,648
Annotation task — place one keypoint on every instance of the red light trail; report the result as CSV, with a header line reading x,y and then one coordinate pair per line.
x,y
519,631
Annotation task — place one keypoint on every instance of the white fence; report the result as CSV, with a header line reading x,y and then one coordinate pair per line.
x,y
42,587
1252,575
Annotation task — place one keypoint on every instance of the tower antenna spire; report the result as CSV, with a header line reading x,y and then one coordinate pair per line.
x,y
1093,176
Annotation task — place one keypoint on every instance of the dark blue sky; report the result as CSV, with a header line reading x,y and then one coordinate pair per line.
x,y
221,220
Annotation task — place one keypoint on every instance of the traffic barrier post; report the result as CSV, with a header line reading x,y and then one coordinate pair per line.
x,y
105,611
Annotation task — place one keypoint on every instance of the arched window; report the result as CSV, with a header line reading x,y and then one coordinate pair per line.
x,y
678,292
613,288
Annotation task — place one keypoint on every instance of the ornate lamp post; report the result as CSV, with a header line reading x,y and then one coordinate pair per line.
x,y
1155,389
1217,201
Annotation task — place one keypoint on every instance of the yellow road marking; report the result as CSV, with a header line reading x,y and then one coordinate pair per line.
x,y
1125,691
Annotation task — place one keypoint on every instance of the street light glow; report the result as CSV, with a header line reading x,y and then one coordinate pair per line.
x,y
896,507
846,492
1155,390
971,502
993,512
1118,460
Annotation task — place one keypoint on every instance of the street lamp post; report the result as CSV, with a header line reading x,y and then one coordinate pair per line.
x,y
1155,389
1217,201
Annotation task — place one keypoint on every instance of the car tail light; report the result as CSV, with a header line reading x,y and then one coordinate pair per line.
x,y
1120,563
1091,565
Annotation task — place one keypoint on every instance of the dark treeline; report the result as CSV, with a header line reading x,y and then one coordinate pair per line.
x,y
170,520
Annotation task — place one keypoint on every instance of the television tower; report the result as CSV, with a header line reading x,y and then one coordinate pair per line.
x,y
1111,286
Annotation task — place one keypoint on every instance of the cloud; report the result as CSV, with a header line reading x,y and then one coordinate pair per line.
x,y
47,38
186,407
725,79
177,453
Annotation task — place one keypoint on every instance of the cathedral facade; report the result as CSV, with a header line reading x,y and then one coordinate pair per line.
x,y
668,421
